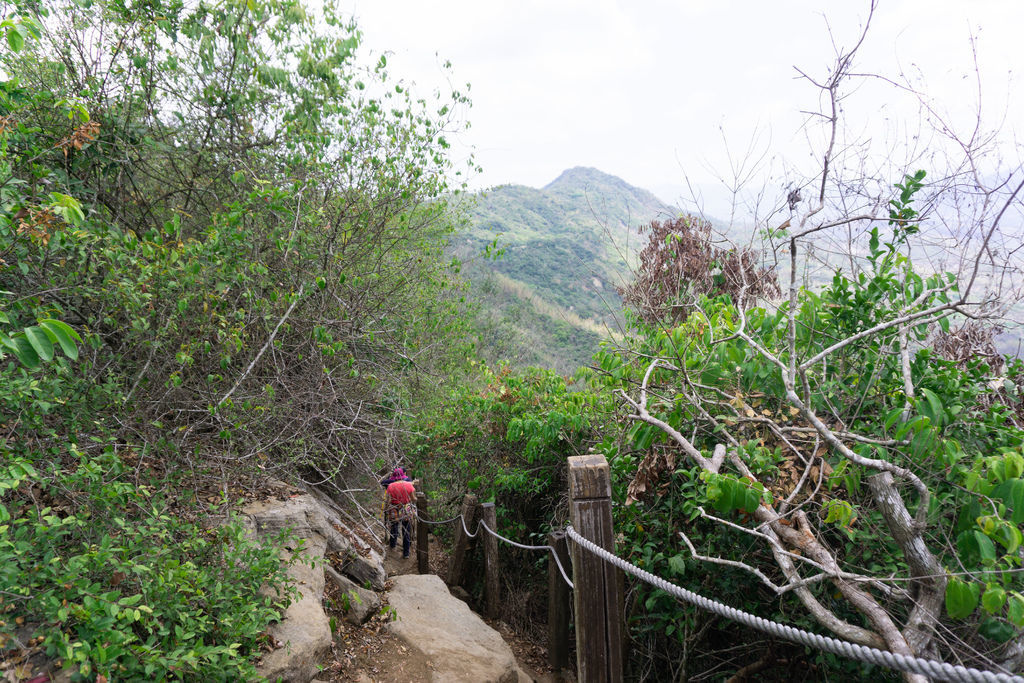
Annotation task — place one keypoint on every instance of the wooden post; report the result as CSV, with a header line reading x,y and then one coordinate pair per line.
x,y
492,580
457,569
598,593
422,540
558,604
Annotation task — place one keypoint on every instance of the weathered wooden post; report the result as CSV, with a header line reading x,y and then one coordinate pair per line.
x,y
457,570
597,590
422,540
492,581
558,604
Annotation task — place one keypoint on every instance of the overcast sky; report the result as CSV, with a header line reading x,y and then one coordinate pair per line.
x,y
644,89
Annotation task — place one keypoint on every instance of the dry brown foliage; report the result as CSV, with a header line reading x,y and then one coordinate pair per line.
x,y
974,340
680,262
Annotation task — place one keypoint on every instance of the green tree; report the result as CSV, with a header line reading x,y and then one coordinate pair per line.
x,y
821,448
238,228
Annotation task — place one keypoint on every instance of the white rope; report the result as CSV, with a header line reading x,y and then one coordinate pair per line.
x,y
427,521
492,532
469,535
554,554
925,667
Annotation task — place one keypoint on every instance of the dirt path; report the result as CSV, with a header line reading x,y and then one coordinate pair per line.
x,y
371,654
396,565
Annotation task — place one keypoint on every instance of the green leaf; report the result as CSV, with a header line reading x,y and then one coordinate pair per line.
x,y
893,417
993,599
968,514
644,436
22,350
32,26
967,546
1009,536
67,207
752,501
1015,609
724,501
996,630
839,512
961,598
40,342
64,334
936,405
1014,464
1012,493
986,548
15,39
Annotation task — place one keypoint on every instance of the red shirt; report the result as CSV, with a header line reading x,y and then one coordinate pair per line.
x,y
401,492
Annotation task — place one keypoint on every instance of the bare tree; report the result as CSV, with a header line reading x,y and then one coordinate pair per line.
x,y
810,373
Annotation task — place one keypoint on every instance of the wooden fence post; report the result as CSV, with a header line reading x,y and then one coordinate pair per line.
x,y
457,569
422,540
492,569
558,604
598,592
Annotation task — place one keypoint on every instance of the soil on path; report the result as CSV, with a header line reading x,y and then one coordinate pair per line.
x,y
372,654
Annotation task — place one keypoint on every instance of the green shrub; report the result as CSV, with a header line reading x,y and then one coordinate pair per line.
x,y
113,583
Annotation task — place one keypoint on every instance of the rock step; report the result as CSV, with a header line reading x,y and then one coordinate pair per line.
x,y
444,641
454,641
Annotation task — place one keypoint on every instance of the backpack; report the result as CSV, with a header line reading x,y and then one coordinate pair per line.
x,y
399,513
396,511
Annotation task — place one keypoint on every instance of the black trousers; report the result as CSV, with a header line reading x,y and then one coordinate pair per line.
x,y
406,535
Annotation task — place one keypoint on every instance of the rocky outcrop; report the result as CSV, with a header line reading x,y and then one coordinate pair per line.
x,y
452,643
306,517
457,643
363,563
359,603
303,634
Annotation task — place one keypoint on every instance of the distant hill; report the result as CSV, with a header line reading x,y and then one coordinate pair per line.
x,y
551,296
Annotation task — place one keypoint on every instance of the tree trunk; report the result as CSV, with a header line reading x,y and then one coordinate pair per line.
x,y
929,585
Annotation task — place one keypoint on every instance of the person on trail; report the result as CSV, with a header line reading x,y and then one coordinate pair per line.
x,y
400,510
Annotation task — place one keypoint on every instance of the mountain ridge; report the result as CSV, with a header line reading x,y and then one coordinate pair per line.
x,y
566,248
588,176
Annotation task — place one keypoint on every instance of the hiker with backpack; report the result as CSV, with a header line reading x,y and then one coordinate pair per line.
x,y
399,508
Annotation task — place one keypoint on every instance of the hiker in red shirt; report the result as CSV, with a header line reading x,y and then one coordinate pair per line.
x,y
400,509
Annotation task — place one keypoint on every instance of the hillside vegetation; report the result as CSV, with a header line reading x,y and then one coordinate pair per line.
x,y
226,249
221,259
843,452
560,253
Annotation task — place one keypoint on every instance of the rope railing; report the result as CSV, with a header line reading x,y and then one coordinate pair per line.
x,y
492,532
433,523
554,554
925,667
930,668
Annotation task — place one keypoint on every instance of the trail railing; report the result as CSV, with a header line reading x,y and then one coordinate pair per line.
x,y
596,582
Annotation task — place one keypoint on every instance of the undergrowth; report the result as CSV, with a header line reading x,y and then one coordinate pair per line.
x,y
100,576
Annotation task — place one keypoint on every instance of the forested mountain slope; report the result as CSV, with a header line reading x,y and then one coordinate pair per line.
x,y
562,250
